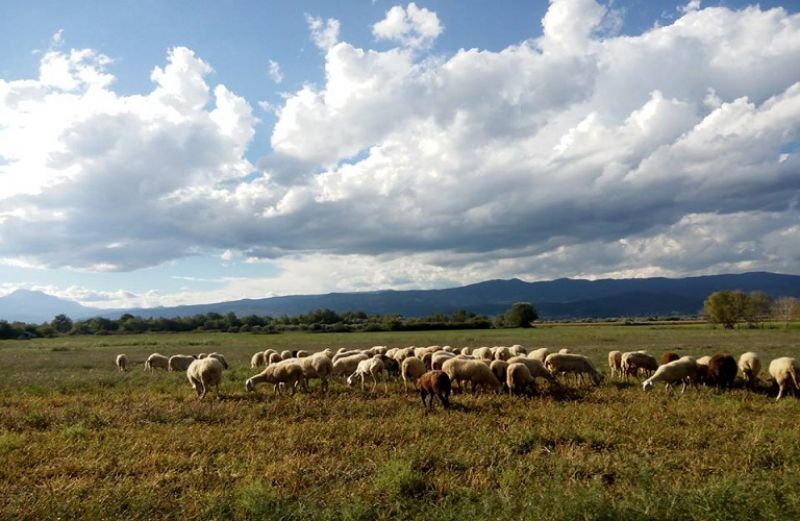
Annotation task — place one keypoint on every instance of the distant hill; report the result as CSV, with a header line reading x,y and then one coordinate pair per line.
x,y
562,298
35,307
556,299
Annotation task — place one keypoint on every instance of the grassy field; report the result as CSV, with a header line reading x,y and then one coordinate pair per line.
x,y
79,440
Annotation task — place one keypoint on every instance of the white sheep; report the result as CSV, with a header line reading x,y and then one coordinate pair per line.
x,y
785,372
219,357
638,361
569,363
519,379
374,368
535,367
156,361
499,368
411,369
257,360
475,372
274,358
683,370
203,374
180,362
518,350
122,363
750,366
563,351
289,374
483,353
346,365
540,354
615,363
466,351
317,365
439,358
502,353
301,354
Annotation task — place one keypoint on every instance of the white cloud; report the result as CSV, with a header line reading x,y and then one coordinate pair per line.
x,y
578,153
275,73
324,33
413,26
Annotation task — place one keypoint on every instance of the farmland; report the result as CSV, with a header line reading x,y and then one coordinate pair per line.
x,y
78,439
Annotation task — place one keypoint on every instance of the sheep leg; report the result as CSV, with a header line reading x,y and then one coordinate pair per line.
x,y
780,391
374,382
422,396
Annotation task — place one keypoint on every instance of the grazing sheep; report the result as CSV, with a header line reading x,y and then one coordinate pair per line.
x,y
563,351
482,353
499,368
668,357
156,361
702,369
317,365
180,362
411,370
502,353
202,355
540,354
519,379
535,367
439,358
750,366
391,365
274,358
722,369
290,374
257,360
434,383
683,370
466,351
346,365
374,368
785,371
565,363
203,374
286,354
473,371
122,363
615,363
344,354
518,350
301,354
638,361
219,357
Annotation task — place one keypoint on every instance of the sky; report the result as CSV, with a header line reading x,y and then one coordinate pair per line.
x,y
163,153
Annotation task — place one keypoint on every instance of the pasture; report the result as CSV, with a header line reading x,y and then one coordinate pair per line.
x,y
80,440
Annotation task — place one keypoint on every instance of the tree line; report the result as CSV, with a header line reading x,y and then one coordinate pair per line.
x,y
729,308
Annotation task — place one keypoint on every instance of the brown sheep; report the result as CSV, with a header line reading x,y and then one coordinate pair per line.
x,y
722,370
434,383
668,357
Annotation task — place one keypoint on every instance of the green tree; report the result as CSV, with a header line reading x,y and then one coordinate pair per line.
x,y
520,314
726,308
61,323
757,308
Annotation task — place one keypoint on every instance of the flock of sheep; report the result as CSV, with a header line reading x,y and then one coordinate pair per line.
x,y
432,370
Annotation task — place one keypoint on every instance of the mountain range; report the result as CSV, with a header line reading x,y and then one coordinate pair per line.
x,y
556,299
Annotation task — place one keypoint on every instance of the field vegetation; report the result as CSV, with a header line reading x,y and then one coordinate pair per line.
x,y
80,440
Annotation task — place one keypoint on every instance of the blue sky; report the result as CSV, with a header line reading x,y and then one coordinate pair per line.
x,y
409,145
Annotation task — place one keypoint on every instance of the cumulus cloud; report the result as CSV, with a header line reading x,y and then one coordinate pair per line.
x,y
324,33
576,153
411,26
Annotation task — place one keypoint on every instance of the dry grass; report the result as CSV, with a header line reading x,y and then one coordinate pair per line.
x,y
78,440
